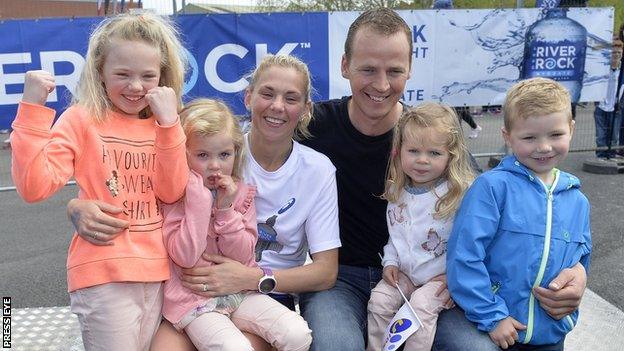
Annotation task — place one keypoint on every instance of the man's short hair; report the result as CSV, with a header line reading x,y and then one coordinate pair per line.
x,y
536,97
382,21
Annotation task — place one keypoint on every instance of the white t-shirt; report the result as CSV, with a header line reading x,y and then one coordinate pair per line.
x,y
296,205
417,243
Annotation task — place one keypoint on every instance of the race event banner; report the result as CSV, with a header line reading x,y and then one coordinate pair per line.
x,y
460,57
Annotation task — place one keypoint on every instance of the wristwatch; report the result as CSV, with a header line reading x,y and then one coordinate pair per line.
x,y
267,283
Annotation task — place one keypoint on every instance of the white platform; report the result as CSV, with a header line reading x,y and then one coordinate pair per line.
x,y
600,328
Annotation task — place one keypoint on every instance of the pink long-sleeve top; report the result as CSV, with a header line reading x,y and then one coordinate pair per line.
x,y
124,161
192,226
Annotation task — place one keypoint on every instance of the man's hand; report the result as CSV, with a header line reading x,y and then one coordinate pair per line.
x,y
564,293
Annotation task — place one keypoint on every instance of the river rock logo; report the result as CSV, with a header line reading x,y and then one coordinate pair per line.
x,y
555,48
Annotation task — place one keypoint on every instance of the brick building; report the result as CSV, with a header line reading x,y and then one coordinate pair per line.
x,y
11,9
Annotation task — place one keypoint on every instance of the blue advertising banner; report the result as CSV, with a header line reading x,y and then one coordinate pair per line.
x,y
221,49
55,45
460,57
225,48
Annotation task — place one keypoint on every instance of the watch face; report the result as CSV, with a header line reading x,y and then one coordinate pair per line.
x,y
267,285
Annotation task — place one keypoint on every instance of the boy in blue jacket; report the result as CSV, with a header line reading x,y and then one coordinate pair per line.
x,y
520,224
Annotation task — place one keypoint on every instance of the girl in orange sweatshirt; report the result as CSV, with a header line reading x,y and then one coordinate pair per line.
x,y
122,141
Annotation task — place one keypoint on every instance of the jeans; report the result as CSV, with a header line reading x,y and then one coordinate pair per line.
x,y
456,333
621,129
554,347
602,120
337,316
285,299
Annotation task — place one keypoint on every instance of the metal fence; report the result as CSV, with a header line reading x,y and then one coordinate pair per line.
x,y
488,143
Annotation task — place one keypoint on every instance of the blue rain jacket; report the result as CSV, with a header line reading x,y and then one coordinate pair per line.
x,y
511,234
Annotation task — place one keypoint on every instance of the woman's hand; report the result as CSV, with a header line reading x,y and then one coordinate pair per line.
x,y
93,221
225,277
564,293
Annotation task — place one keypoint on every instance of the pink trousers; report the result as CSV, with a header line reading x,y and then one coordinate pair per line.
x,y
386,300
258,314
118,316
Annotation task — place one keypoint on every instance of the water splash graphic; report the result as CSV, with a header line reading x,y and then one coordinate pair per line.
x,y
507,49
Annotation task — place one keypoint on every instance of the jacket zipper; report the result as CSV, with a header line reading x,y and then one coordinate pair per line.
x,y
545,251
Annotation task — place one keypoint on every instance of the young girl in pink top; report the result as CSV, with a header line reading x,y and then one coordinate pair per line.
x,y
218,216
121,140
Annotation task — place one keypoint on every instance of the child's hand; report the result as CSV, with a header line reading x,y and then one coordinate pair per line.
x,y
442,279
505,334
37,86
164,104
443,289
391,275
226,190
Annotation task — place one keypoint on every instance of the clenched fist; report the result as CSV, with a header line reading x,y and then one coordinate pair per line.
x,y
37,86
164,105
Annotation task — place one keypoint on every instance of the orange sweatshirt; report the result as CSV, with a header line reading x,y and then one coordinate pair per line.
x,y
126,162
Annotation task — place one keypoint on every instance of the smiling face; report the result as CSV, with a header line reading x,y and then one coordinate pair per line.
x,y
424,156
276,101
377,70
210,155
130,70
540,142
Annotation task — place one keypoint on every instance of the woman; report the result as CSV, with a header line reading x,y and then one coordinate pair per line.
x,y
296,202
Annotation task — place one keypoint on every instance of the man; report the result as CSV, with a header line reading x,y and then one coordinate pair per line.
x,y
606,116
355,132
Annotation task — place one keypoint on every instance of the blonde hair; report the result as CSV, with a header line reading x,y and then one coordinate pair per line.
x,y
459,173
205,117
535,97
288,61
151,29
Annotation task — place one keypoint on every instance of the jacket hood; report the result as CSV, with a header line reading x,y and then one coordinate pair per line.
x,y
511,164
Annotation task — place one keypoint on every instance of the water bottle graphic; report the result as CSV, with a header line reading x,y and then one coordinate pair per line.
x,y
555,48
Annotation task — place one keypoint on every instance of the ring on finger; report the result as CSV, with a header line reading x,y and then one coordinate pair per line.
x,y
96,235
205,287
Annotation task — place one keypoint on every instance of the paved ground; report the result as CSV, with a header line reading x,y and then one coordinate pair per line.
x,y
35,238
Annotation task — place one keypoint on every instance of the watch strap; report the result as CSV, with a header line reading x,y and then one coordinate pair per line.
x,y
267,271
